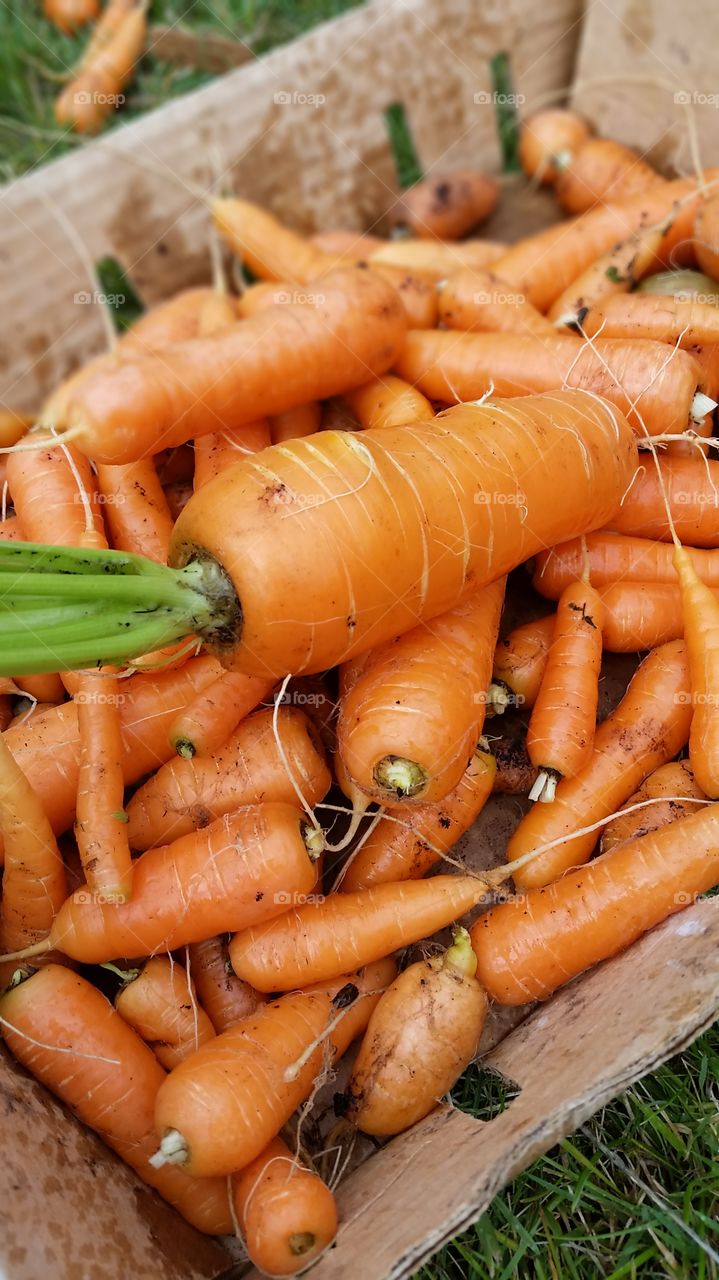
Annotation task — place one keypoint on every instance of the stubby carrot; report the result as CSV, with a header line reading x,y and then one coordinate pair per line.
x,y
602,170
224,997
287,1215
520,660
161,1004
480,300
68,15
296,423
675,785
447,206
204,726
691,488
388,402
547,136
616,558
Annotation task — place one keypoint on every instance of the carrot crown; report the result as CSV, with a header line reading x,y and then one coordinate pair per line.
x,y
64,608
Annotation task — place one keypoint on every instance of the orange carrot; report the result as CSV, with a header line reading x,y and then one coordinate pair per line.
x,y
13,426
602,171
47,688
547,136
472,300
388,402
706,235
320,940
560,736
641,615
222,449
423,1033
286,1214
220,1107
73,1041
135,509
355,996
204,726
614,272
68,15
161,1004
445,207
527,948
691,488
700,608
654,388
346,245
414,716
293,424
406,850
675,784
101,821
681,321
647,729
520,660
615,558
86,102
436,259
223,996
10,530
253,765
515,774
54,494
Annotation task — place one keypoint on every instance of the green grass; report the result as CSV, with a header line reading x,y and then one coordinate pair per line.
x,y
629,1194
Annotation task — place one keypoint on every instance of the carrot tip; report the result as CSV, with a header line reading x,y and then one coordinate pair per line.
x,y
172,1150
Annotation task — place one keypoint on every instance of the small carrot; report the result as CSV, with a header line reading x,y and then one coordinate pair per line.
x,y
445,207
436,259
254,765
351,246
318,941
287,1215
101,821
388,402
527,948
691,488
161,1004
654,388
479,300
222,449
700,608
520,660
47,688
560,736
73,1041
602,171
13,426
54,493
220,1107
296,423
104,30
407,849
86,102
647,729
706,235
423,1033
614,557
203,727
135,509
641,615
224,997
515,775
68,15
675,784
547,137
614,272
412,719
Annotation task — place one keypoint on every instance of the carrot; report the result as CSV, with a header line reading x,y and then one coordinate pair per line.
x,y
135,508
614,558
161,1004
547,136
222,449
184,315
520,661
68,15
104,30
654,388
178,495
48,748
469,503
220,1107
205,725
13,426
293,424
614,272
515,774
251,767
406,850
602,171
647,729
543,265
223,382
475,299
286,1214
700,609
445,207
6,712
388,402
241,869
681,321
54,493
527,948
73,1041
412,719
423,1033
436,259
675,784
355,996
34,881
89,98
223,996
641,615
10,530
691,488
267,294
101,821
46,688
560,736
706,235
320,940
350,246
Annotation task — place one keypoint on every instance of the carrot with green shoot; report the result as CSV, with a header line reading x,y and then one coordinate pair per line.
x,y
602,171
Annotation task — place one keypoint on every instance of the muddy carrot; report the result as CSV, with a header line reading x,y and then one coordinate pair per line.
x,y
224,997
676,784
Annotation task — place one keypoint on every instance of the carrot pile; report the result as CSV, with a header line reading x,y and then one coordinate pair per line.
x,y
260,569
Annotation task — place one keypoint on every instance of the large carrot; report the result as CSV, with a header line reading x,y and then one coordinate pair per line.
x,y
447,206
547,136
602,170
480,300
224,997
675,785
527,948
204,726
161,1004
388,402
681,321
690,486
72,1040
406,849
320,940
615,558
653,387
412,719
647,729
227,380
469,502
286,1214
520,660
260,761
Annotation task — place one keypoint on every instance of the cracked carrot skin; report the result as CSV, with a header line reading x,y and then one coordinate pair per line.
x,y
528,948
469,503
649,726
412,719
238,871
186,794
161,1004
107,1077
287,1215
224,997
616,558
675,785
520,659
318,941
232,1096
